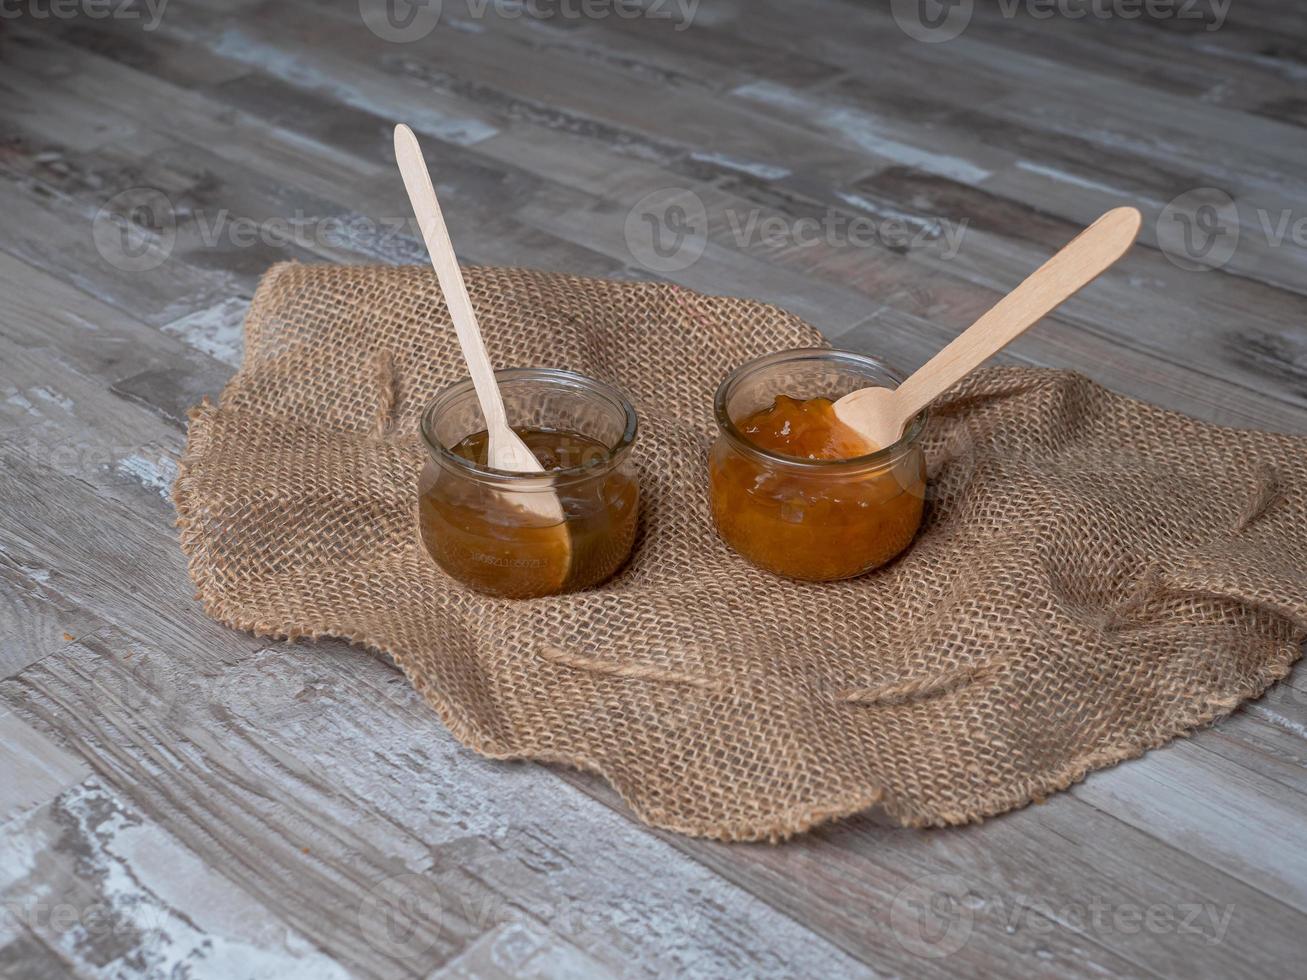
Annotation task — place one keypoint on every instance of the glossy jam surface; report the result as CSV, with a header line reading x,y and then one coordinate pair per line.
x,y
807,429
484,536
814,522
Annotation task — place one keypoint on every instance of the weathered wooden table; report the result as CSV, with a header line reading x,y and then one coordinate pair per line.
x,y
179,799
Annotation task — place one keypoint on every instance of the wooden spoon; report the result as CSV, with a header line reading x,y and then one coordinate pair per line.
x,y
880,415
506,450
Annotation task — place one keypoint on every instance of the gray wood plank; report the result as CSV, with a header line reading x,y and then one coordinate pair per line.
x,y
36,770
1268,341
1064,878
241,190
262,769
1246,823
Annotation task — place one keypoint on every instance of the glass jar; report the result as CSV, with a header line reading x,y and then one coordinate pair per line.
x,y
493,530
812,519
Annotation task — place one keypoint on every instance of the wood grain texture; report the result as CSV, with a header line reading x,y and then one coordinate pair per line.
x,y
179,799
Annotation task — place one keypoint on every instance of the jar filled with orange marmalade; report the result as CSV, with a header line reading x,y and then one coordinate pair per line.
x,y
794,490
522,535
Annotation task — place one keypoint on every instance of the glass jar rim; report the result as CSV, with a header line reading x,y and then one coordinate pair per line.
x,y
879,457
523,481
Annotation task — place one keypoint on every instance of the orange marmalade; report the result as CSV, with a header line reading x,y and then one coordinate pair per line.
x,y
485,539
812,504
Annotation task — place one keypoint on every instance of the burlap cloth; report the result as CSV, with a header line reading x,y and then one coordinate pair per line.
x,y
1095,575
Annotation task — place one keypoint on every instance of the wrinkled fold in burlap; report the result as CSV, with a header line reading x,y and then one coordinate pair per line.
x,y
1095,575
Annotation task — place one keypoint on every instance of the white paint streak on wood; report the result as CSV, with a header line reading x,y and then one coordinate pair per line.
x,y
39,576
21,402
1277,718
862,203
81,321
154,474
1287,67
1061,176
217,331
144,897
862,129
393,241
234,43
763,171
55,398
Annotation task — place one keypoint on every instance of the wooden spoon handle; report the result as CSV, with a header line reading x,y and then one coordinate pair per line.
x,y
1075,266
422,195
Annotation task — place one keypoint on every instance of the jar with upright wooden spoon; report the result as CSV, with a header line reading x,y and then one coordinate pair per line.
x,y
480,524
491,509
793,494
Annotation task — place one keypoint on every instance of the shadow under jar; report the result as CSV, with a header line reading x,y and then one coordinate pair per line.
x,y
481,525
814,519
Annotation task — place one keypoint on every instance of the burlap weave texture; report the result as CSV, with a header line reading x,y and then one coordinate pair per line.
x,y
1095,575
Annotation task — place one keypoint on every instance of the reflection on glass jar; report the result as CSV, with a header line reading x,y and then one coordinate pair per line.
x,y
816,519
484,526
